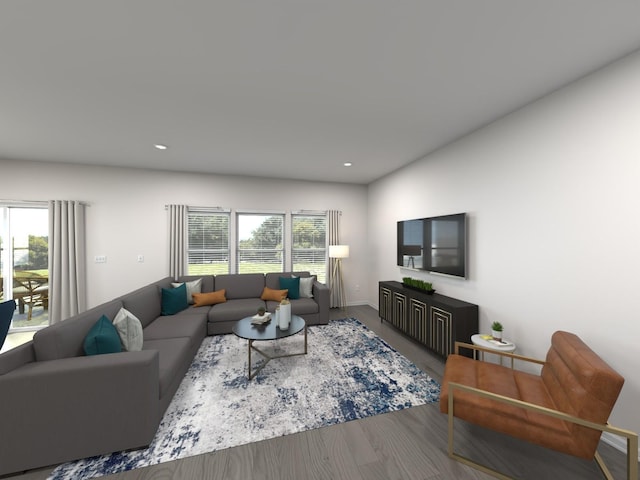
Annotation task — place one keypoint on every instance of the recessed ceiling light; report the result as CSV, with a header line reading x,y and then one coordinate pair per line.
x,y
160,146
347,164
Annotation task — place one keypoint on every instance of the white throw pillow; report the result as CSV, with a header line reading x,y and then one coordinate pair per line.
x,y
129,329
306,286
195,286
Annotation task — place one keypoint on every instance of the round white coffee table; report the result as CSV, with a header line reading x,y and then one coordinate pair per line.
x,y
506,345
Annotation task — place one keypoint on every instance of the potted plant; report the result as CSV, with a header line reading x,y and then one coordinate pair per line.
x,y
496,330
420,285
261,311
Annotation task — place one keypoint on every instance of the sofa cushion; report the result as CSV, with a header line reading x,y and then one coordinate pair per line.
x,y
193,286
206,281
241,285
235,309
102,338
144,303
129,330
174,300
301,306
292,284
273,295
304,306
172,354
183,324
272,280
306,286
211,298
66,339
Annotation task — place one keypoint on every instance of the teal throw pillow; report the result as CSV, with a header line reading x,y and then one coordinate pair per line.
x,y
174,300
291,284
102,338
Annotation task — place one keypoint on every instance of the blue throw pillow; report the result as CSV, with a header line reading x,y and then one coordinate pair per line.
x,y
102,338
6,314
291,284
174,300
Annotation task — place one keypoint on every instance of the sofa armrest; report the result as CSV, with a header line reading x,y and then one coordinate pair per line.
x,y
53,409
321,295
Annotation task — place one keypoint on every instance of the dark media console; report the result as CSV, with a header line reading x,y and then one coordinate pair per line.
x,y
434,320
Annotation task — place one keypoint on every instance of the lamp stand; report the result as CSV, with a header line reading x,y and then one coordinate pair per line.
x,y
336,279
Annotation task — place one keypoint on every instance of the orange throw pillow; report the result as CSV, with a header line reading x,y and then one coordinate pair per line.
x,y
273,295
211,298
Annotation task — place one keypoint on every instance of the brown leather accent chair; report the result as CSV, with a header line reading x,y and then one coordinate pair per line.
x,y
565,408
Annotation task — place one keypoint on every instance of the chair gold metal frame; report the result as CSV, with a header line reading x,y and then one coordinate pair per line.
x,y
631,437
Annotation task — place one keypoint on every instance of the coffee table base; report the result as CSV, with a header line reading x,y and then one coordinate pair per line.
x,y
271,357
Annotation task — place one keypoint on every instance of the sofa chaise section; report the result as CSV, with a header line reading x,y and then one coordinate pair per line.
x,y
67,406
61,405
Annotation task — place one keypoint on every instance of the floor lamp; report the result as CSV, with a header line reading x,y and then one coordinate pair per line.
x,y
338,252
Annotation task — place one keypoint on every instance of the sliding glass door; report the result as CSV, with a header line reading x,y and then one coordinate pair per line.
x,y
24,263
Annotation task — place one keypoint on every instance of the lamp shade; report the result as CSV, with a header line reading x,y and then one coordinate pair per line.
x,y
338,251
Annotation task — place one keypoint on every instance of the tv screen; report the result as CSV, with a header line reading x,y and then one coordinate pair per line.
x,y
434,244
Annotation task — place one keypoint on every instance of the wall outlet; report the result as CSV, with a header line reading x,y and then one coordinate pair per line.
x,y
140,258
100,259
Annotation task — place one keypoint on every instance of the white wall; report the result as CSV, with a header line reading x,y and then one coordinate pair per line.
x,y
553,193
126,214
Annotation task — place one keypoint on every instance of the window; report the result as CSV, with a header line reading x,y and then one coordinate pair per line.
x,y
224,241
260,243
309,244
24,263
208,251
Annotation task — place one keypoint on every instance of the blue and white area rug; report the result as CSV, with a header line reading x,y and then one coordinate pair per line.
x,y
348,373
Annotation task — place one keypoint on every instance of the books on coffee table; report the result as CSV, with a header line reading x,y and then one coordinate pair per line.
x,y
261,319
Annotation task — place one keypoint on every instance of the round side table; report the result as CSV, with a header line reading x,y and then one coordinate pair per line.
x,y
507,346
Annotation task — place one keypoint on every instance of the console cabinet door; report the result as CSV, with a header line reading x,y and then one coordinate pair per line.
x,y
419,321
440,323
399,301
435,321
385,305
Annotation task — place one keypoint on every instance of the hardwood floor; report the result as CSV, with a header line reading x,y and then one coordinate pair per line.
x,y
409,444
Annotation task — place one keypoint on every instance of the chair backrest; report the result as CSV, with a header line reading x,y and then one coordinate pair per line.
x,y
581,384
6,314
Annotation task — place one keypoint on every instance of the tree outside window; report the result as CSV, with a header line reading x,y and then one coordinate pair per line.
x,y
260,243
309,244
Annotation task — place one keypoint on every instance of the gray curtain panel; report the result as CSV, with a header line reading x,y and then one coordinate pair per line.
x,y
333,217
67,259
178,240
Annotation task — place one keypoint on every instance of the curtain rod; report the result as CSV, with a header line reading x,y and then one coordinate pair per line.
x,y
309,212
194,208
34,202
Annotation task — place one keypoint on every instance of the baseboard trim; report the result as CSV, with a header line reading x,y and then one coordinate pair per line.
x,y
616,442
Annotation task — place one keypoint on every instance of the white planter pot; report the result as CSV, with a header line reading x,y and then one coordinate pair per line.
x,y
284,318
497,335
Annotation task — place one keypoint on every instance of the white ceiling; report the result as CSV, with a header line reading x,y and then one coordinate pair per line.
x,y
288,88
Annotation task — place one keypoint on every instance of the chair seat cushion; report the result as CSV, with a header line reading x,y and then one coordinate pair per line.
x,y
511,420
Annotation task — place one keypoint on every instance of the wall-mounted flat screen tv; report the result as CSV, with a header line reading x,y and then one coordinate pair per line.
x,y
434,244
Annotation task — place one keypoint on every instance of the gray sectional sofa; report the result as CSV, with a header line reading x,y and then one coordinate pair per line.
x,y
59,404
